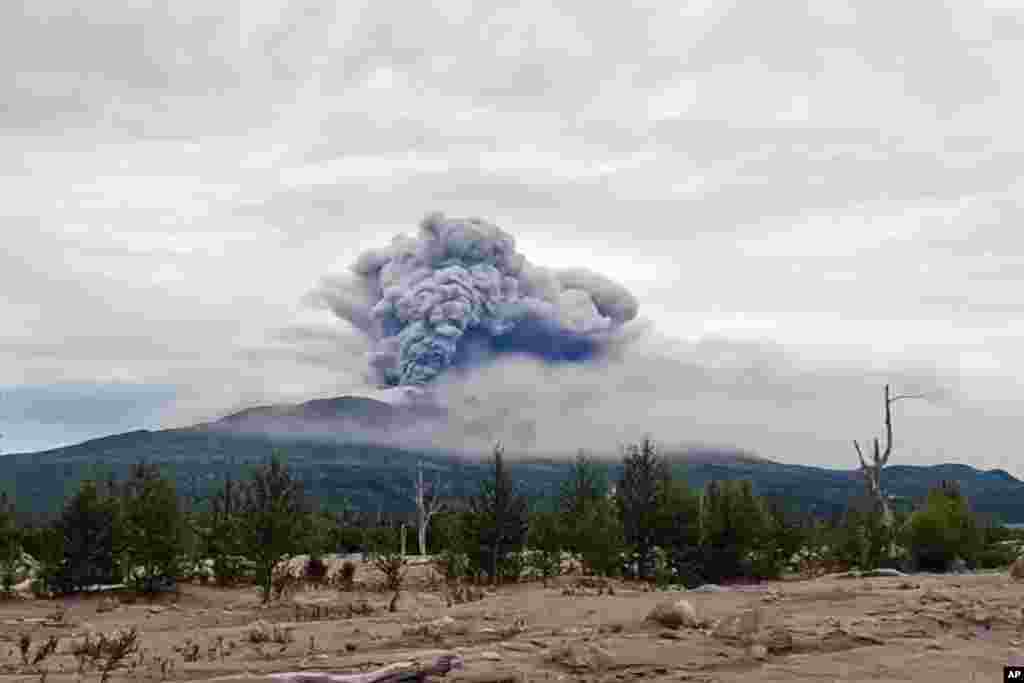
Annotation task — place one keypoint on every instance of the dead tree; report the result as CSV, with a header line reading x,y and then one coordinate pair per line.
x,y
428,503
872,471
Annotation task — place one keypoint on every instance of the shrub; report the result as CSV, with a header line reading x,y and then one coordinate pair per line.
x,y
347,575
451,565
230,569
996,557
105,652
392,565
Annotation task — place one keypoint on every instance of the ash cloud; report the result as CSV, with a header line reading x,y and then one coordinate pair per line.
x,y
458,295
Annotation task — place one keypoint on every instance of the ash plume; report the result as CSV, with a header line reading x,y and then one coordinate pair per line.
x,y
459,294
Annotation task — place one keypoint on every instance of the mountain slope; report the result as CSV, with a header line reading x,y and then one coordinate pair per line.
x,y
322,442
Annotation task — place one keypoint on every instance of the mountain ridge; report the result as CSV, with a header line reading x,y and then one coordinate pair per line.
x,y
325,442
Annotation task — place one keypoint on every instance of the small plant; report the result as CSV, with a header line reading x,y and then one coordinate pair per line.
x,y
283,582
41,653
346,577
106,652
24,643
189,651
393,566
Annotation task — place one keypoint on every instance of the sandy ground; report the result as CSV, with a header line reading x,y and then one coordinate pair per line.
x,y
958,629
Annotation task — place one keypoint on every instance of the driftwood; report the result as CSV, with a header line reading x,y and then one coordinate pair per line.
x,y
403,672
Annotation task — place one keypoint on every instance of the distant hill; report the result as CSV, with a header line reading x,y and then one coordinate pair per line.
x,y
325,444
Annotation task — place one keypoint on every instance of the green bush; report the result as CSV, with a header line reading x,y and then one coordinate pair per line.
x,y
942,531
230,569
996,557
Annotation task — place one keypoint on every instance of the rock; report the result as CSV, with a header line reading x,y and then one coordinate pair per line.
x,y
493,656
155,609
708,588
881,573
742,626
1017,569
932,595
108,604
959,566
669,634
777,640
758,651
674,614
582,657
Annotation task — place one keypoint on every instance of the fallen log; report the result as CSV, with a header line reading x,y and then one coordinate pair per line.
x,y
403,672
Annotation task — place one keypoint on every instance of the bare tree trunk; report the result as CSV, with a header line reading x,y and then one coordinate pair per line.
x,y
872,471
428,503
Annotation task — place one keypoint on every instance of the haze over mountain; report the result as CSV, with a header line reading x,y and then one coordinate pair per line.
x,y
327,443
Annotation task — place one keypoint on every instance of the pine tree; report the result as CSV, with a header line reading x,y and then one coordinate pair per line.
x,y
89,529
153,527
10,543
732,523
274,519
221,533
677,529
644,473
586,483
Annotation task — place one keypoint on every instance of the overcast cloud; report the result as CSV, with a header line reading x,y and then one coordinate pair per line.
x,y
809,199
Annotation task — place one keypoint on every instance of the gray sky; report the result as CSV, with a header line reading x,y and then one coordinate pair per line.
x,y
808,199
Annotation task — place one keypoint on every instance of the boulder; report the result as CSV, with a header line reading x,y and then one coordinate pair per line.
x,y
751,628
674,614
882,573
742,626
108,604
